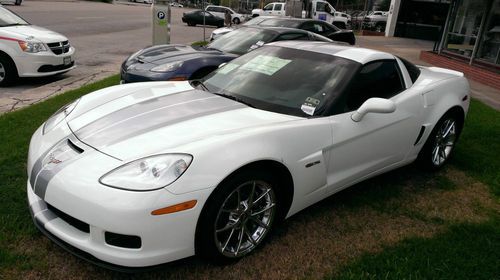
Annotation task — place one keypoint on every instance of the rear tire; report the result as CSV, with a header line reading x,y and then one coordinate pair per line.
x,y
8,71
236,21
191,23
441,142
18,2
237,217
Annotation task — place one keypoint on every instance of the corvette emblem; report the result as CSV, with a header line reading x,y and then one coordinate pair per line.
x,y
53,159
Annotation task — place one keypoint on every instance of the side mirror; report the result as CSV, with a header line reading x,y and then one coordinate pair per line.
x,y
374,105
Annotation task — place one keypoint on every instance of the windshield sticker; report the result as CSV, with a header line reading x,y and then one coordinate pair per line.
x,y
310,105
265,64
306,108
228,68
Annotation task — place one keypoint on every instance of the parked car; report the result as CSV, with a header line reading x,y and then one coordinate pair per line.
x,y
224,30
316,26
182,62
221,10
196,17
15,2
376,20
175,4
30,51
142,174
271,9
143,1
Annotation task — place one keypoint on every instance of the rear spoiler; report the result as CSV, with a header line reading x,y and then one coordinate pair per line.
x,y
443,70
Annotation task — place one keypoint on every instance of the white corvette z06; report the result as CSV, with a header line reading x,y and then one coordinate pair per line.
x,y
142,174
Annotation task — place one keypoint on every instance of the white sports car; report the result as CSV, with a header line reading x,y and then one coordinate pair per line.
x,y
147,173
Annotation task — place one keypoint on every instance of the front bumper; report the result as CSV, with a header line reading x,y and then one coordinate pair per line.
x,y
76,211
144,75
44,63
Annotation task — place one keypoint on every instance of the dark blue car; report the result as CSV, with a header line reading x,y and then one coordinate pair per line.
x,y
183,62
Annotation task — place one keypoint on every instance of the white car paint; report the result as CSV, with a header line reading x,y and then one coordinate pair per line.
x,y
220,12
344,151
28,64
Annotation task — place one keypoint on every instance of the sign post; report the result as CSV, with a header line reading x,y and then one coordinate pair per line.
x,y
161,22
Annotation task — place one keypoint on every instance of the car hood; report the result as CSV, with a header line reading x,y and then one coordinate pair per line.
x,y
26,32
132,121
169,53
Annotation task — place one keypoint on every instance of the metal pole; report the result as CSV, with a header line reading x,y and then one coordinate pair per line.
x,y
444,38
203,8
480,33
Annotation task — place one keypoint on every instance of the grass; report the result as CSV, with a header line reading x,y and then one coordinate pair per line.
x,y
464,251
16,129
404,224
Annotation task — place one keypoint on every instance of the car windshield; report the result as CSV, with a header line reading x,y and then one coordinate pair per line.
x,y
284,80
8,18
280,22
255,21
240,41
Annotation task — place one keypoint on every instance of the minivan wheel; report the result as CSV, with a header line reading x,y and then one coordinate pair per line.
x,y
8,71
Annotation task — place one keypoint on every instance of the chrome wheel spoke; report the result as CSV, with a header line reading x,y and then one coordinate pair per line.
x,y
261,196
435,154
259,222
227,227
250,238
240,239
251,195
228,239
263,210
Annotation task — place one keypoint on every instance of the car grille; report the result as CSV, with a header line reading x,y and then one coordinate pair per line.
x,y
59,48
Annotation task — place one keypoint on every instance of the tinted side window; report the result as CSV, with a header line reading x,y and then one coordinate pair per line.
x,y
268,7
210,9
293,36
277,7
376,79
413,70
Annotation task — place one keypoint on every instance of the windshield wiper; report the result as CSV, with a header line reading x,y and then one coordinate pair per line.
x,y
232,97
196,83
13,24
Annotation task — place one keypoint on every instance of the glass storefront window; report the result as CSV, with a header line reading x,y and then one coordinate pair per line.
x,y
489,50
465,22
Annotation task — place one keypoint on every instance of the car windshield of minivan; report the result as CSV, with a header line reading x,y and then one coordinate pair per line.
x,y
8,18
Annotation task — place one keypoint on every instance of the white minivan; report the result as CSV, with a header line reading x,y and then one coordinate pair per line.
x,y
30,51
221,10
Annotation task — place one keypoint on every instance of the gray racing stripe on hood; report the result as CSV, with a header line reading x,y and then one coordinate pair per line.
x,y
152,114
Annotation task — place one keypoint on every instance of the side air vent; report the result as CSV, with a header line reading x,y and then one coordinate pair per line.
x,y
420,134
75,147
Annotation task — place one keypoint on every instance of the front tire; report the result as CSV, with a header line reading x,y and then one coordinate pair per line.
x,y
237,217
441,142
8,71
236,21
18,2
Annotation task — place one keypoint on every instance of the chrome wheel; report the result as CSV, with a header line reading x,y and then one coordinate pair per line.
x,y
2,72
444,142
244,218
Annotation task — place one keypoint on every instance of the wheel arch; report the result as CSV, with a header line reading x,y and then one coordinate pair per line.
x,y
8,56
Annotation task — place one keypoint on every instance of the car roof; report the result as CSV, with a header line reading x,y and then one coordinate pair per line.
x,y
360,55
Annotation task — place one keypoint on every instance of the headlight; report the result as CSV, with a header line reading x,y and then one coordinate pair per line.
x,y
32,47
58,116
148,173
167,67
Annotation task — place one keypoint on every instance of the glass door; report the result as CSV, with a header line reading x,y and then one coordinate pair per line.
x,y
465,22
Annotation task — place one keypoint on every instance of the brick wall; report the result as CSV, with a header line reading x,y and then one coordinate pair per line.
x,y
472,72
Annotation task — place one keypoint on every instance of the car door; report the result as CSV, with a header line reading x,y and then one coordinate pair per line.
x,y
380,141
268,9
278,9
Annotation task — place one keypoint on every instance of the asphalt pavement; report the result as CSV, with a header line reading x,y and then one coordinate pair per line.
x,y
103,35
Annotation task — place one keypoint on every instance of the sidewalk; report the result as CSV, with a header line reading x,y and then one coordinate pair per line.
x,y
410,49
